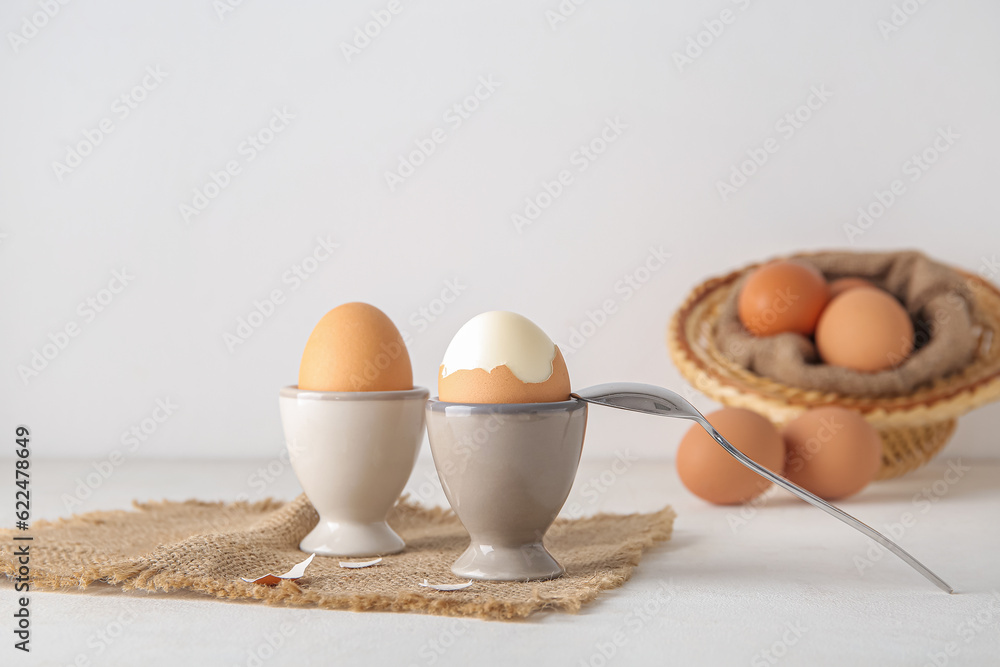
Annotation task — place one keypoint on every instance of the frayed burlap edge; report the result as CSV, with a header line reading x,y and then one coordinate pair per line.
x,y
140,574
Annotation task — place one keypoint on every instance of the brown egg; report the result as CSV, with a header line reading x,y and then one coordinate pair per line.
x,y
355,347
865,329
783,296
500,385
841,285
710,473
832,452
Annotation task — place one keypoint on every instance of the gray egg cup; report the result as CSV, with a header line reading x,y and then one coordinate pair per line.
x,y
507,469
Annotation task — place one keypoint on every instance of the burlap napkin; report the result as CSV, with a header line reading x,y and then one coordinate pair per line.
x,y
937,298
208,547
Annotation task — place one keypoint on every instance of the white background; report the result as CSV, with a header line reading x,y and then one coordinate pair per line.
x,y
323,176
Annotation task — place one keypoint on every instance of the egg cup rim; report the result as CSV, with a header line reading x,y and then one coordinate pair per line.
x,y
436,405
293,391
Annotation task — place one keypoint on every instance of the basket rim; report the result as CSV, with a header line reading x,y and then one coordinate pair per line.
x,y
948,403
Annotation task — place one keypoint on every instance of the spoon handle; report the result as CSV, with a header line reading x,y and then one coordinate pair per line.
x,y
826,507
662,402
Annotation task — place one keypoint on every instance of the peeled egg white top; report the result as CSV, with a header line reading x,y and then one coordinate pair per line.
x,y
500,338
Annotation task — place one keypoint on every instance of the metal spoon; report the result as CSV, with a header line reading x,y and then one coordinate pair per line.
x,y
654,400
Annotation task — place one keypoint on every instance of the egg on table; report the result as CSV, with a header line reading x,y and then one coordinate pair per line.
x,y
709,472
355,347
502,357
832,452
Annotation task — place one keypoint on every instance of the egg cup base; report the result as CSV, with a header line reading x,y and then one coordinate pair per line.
x,y
528,562
338,538
506,470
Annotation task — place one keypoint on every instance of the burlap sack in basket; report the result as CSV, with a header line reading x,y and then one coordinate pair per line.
x,y
208,547
937,298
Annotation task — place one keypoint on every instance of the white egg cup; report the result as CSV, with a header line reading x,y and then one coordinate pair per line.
x,y
353,453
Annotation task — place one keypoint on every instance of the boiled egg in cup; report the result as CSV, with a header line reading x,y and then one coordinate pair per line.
x,y
506,439
353,426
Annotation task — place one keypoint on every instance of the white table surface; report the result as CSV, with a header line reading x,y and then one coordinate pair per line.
x,y
779,584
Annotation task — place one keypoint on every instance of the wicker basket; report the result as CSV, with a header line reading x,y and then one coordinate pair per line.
x,y
913,427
